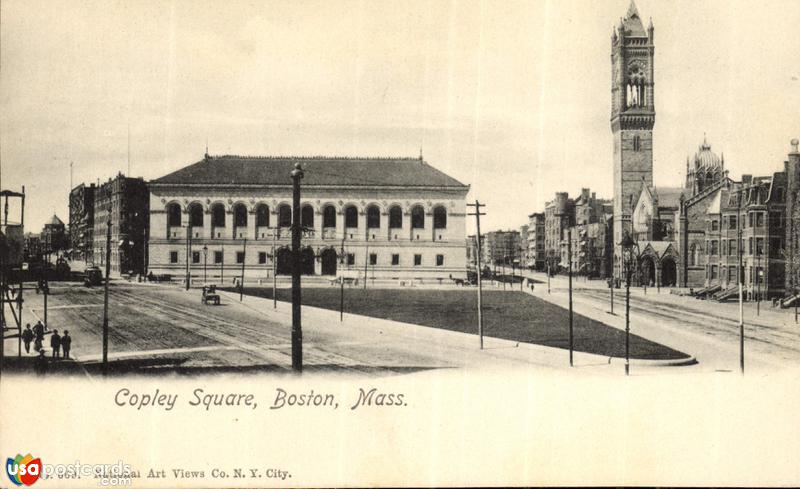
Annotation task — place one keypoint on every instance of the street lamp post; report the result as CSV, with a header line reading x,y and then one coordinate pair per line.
x,y
630,260
205,263
297,332
188,253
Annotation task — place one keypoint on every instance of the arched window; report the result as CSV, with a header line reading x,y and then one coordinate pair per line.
x,y
395,217
262,215
284,216
196,215
693,255
417,217
240,215
373,217
218,216
173,214
329,216
307,216
439,218
350,216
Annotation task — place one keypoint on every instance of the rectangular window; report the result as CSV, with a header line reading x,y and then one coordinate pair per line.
x,y
262,257
759,219
173,257
417,260
759,246
731,222
750,246
240,257
217,257
715,225
715,247
395,259
439,260
713,272
351,259
195,257
373,259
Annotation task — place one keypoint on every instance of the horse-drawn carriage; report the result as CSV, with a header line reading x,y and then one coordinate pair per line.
x,y
210,295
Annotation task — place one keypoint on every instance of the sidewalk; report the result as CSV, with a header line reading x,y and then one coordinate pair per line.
x,y
713,351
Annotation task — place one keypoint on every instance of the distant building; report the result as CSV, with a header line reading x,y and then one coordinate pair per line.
x,y
501,248
125,202
559,214
523,247
81,222
536,240
395,218
54,235
472,251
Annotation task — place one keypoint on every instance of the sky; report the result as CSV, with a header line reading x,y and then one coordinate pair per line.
x,y
512,98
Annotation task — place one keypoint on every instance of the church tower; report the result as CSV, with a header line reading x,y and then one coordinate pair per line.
x,y
632,118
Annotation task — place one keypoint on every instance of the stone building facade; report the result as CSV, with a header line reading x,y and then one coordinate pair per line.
x,y
81,222
632,118
391,218
122,201
791,250
536,239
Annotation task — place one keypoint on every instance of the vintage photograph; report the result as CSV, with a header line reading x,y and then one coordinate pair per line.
x,y
244,220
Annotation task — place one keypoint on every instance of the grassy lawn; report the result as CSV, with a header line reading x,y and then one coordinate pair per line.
x,y
513,316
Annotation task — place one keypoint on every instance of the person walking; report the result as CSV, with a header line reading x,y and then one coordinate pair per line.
x,y
66,343
55,343
27,337
38,334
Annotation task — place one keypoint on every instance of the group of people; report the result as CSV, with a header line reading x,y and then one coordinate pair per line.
x,y
58,343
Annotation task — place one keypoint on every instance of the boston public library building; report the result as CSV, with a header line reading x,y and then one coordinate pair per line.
x,y
388,218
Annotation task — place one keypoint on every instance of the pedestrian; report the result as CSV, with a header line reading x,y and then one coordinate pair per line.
x,y
66,343
38,330
55,343
27,337
40,364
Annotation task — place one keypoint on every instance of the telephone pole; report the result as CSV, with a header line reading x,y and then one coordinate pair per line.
x,y
477,205
105,293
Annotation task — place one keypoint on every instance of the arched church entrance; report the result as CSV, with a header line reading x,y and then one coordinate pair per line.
x,y
648,271
669,272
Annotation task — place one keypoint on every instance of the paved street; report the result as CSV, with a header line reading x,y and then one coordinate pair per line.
x,y
162,328
707,329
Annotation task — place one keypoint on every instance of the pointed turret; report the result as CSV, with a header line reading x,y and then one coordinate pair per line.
x,y
633,22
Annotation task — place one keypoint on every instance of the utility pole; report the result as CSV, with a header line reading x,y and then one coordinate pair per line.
x,y
477,205
297,332
244,260
740,277
222,267
274,270
105,293
569,261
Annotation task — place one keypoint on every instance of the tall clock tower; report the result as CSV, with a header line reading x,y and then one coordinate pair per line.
x,y
632,118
